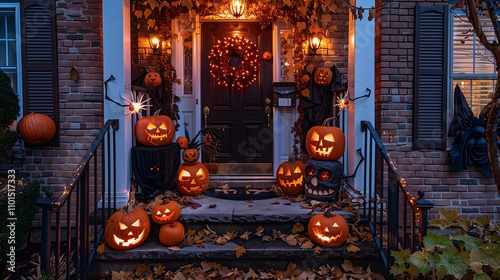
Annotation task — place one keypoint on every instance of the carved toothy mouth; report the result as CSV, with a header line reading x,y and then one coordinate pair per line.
x,y
194,189
129,242
319,191
156,137
324,238
291,183
321,151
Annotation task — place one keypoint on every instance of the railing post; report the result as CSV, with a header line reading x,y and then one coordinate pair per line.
x,y
46,238
393,211
424,205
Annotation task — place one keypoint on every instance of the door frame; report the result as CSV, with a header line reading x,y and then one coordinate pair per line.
x,y
190,110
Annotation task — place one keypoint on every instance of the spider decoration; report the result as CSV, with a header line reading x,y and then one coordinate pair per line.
x,y
343,102
136,106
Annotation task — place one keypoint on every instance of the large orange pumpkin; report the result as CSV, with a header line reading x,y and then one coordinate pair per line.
x,y
127,229
153,131
325,142
290,176
171,234
36,129
192,179
328,229
152,79
166,212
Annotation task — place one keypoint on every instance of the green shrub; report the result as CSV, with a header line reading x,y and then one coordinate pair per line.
x,y
9,111
26,194
453,249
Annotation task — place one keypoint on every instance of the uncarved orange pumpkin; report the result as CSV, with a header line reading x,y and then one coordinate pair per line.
x,y
166,212
328,229
154,131
36,129
171,234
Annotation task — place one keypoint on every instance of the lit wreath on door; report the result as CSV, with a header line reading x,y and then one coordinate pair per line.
x,y
234,62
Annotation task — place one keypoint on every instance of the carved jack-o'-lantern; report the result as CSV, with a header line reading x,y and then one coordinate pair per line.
x,y
322,179
165,212
190,156
267,55
323,76
290,176
328,229
152,79
171,234
325,142
192,179
156,130
127,229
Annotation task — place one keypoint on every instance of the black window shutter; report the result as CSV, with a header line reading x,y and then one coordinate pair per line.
x,y
39,56
430,88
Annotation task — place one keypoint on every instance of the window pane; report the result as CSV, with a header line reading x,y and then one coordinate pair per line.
x,y
12,53
11,26
3,60
2,25
469,55
476,92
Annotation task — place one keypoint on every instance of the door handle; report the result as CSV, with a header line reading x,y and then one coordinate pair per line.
x,y
206,112
268,111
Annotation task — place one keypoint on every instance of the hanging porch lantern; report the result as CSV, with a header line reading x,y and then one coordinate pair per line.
x,y
237,7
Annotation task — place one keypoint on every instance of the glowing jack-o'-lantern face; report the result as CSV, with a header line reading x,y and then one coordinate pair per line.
x,y
267,55
322,179
325,142
165,212
328,229
323,76
290,177
155,131
152,79
192,179
127,229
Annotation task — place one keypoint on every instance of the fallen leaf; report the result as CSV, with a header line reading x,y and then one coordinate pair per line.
x,y
275,202
251,274
307,245
101,248
212,206
297,227
317,250
347,266
291,239
352,248
174,248
250,205
260,231
221,240
245,235
159,269
266,238
230,235
140,270
239,251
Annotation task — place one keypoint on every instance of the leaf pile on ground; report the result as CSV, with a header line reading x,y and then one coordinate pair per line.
x,y
210,270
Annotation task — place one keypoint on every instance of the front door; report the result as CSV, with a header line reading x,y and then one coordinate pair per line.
x,y
242,116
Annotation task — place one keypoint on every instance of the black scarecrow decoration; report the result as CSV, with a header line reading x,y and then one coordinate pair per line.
x,y
156,91
470,143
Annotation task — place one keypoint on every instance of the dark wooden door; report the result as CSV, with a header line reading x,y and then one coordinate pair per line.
x,y
240,115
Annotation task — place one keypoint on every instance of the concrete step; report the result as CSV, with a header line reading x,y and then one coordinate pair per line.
x,y
221,215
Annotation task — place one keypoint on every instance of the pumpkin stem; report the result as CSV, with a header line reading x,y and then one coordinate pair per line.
x,y
291,157
157,113
325,122
165,201
328,213
131,201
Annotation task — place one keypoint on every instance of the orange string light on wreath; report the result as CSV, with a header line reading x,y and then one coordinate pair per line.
x,y
234,62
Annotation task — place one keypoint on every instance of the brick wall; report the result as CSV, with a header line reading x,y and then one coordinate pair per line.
x,y
470,192
79,40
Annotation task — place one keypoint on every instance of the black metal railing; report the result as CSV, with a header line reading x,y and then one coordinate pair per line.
x,y
78,228
397,218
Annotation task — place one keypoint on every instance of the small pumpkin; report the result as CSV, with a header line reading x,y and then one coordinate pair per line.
x,y
323,76
290,176
127,229
182,141
192,179
152,79
171,234
325,142
328,229
36,128
190,155
267,55
153,131
165,212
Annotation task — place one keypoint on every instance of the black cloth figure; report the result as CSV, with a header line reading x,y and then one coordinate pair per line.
x,y
319,105
469,144
157,94
155,169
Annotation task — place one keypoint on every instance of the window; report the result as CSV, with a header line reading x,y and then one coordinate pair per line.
x,y
9,46
472,65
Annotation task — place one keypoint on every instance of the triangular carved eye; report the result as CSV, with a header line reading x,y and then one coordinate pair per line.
x,y
315,136
184,175
122,226
137,223
167,210
280,170
163,126
200,174
158,213
318,224
329,137
335,225
151,126
297,170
